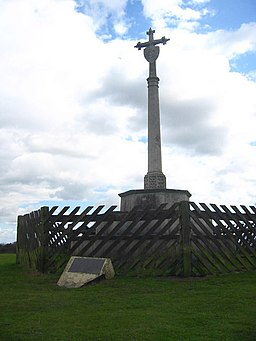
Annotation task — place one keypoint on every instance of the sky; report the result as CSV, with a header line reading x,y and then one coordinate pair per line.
x,y
73,101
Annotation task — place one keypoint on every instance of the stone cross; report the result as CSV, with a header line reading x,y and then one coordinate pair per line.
x,y
154,179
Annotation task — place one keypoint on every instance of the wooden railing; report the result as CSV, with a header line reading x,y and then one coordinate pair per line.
x,y
184,240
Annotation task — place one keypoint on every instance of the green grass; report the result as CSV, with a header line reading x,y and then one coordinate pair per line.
x,y
33,307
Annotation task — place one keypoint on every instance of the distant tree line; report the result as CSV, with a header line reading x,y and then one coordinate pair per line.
x,y
8,248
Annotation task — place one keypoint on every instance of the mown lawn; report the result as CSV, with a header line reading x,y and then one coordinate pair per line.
x,y
34,308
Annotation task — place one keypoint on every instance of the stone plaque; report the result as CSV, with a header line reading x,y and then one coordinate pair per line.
x,y
87,265
82,270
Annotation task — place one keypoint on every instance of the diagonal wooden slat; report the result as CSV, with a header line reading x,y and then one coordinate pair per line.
x,y
149,252
213,258
50,212
253,208
126,225
236,232
68,251
230,238
250,229
61,226
210,248
148,227
239,231
209,256
109,220
248,216
224,252
172,263
159,222
207,267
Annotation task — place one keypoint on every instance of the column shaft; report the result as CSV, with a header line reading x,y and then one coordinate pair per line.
x,y
154,178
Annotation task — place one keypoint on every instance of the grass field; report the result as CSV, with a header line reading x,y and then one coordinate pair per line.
x,y
219,308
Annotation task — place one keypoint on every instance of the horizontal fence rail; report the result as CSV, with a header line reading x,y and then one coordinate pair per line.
x,y
186,239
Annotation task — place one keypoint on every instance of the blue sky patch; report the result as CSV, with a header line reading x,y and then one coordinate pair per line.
x,y
143,139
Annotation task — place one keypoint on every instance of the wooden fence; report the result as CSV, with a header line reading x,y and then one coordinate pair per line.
x,y
184,240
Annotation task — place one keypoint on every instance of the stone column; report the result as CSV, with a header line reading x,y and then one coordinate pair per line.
x,y
154,179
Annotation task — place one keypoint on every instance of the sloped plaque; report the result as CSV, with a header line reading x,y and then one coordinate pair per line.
x,y
87,265
82,270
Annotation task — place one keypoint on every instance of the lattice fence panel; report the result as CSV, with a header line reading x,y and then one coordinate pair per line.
x,y
141,240
186,239
222,239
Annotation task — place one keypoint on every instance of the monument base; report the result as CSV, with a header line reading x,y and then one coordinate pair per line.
x,y
155,180
151,198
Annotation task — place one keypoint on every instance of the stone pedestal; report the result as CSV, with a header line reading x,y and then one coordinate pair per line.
x,y
155,180
151,198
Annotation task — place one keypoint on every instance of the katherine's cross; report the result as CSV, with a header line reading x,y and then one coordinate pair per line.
x,y
154,179
155,192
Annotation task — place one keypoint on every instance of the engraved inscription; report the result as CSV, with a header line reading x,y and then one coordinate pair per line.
x,y
86,265
155,181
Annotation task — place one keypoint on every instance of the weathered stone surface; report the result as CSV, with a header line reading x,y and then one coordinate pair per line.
x,y
152,198
155,181
82,270
154,178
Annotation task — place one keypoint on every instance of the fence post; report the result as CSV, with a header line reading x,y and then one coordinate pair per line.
x,y
185,237
18,239
44,253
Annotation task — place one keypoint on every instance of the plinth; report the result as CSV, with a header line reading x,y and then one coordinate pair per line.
x,y
151,198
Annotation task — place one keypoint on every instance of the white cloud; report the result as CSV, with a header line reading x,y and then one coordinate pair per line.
x,y
121,28
204,94
174,12
234,43
101,10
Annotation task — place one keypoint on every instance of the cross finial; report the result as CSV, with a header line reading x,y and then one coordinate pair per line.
x,y
150,33
151,40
